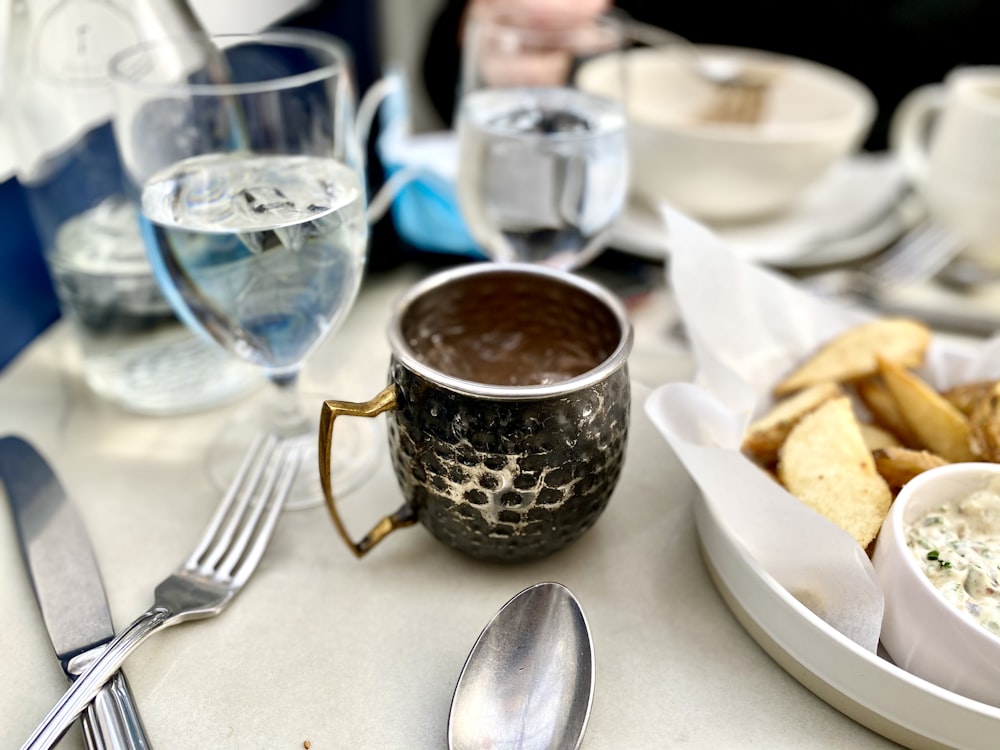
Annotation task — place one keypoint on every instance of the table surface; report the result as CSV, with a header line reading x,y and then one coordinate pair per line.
x,y
346,653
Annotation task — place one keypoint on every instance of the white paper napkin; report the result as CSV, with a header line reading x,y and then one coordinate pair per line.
x,y
747,327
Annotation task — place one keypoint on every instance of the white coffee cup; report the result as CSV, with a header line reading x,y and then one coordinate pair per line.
x,y
948,137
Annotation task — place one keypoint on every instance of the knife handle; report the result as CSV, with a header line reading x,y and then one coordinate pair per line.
x,y
96,672
111,721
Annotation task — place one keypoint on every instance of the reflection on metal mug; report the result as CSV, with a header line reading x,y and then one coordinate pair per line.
x,y
948,137
508,408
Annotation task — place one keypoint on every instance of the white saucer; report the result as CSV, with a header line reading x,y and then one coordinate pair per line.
x,y
855,210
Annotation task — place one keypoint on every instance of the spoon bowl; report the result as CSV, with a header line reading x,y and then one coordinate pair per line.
x,y
528,682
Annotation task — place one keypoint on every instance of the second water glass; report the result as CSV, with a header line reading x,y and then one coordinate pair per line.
x,y
543,166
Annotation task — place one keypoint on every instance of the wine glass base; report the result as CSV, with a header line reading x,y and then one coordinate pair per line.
x,y
357,445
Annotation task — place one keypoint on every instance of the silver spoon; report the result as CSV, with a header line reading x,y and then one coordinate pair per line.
x,y
740,89
528,682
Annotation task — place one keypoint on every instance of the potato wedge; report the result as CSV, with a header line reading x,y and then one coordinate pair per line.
x,y
984,426
766,434
875,396
875,437
898,465
939,426
825,463
964,397
852,354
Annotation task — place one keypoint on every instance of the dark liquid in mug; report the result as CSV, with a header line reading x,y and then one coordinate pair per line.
x,y
511,329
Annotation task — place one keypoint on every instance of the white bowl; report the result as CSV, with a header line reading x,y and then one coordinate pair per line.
x,y
729,172
921,631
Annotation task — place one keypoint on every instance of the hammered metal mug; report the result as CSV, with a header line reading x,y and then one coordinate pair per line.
x,y
508,408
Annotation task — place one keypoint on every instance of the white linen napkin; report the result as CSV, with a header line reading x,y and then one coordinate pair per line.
x,y
747,327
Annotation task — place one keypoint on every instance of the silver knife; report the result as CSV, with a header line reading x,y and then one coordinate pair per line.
x,y
68,588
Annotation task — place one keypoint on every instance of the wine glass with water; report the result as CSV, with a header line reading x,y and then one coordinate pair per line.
x,y
243,152
543,166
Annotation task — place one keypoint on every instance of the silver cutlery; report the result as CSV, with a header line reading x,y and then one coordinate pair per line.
x,y
966,275
204,584
739,91
928,252
953,320
915,258
529,680
67,584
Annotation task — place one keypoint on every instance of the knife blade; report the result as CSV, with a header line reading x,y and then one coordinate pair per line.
x,y
68,589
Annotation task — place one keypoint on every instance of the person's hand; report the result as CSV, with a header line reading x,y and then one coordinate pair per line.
x,y
526,59
541,13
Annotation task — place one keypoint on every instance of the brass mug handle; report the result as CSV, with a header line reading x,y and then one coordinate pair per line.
x,y
405,516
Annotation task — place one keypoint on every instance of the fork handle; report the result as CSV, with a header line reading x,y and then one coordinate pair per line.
x,y
111,721
86,687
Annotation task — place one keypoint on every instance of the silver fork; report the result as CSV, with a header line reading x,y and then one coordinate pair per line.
x,y
205,583
916,257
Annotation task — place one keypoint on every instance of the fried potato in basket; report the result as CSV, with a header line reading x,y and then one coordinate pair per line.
x,y
939,426
984,426
966,396
766,434
825,463
854,353
875,437
898,465
884,410
855,422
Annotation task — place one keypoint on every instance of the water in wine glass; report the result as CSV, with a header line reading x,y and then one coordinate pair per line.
x,y
266,252
543,172
245,154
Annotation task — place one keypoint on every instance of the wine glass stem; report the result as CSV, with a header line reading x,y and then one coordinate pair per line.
x,y
290,421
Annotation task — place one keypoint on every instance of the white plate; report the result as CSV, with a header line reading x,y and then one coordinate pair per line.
x,y
868,688
854,211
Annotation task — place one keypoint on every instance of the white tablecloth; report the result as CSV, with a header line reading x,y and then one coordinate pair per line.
x,y
350,653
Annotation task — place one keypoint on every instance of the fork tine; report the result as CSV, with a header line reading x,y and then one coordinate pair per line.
x,y
261,496
219,534
910,248
918,255
253,499
254,542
